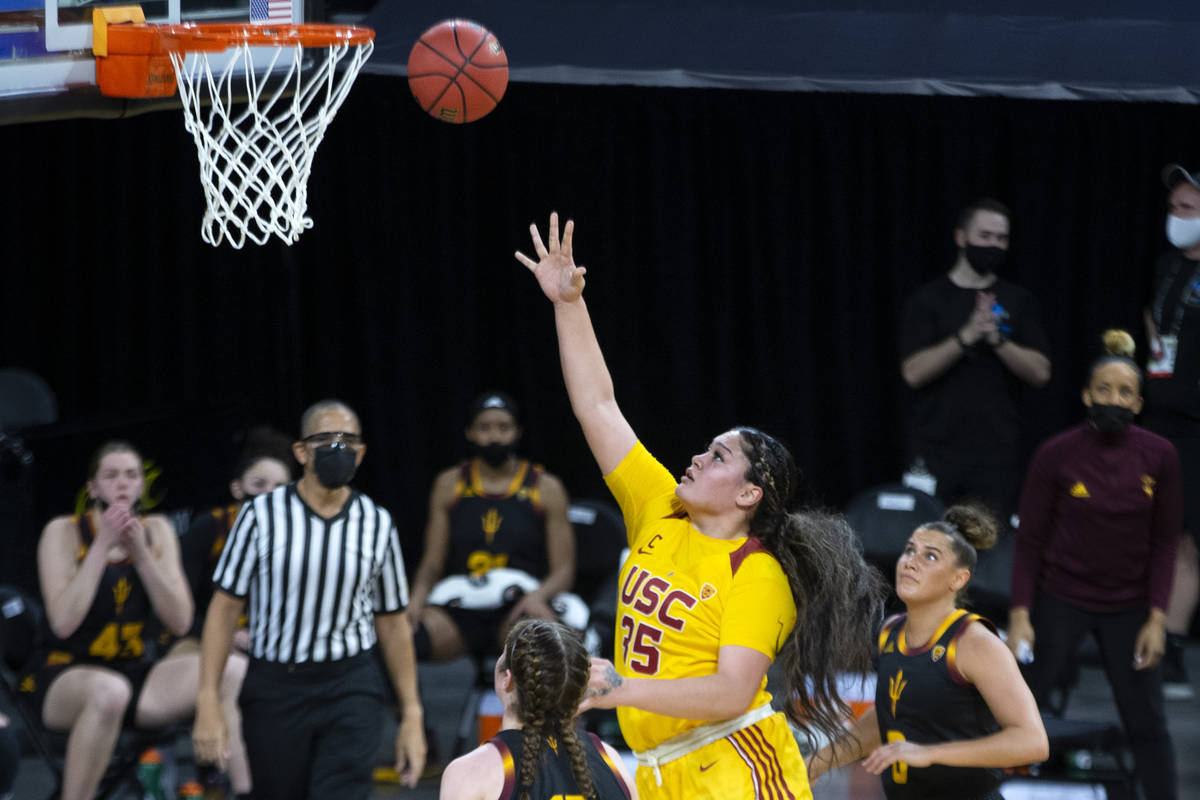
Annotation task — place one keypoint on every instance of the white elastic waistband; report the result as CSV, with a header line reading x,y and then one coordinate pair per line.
x,y
700,736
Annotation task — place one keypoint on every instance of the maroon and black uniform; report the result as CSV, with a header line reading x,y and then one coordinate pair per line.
x,y
920,696
111,635
497,530
488,531
554,777
200,549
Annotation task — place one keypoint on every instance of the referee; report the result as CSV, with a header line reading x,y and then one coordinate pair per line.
x,y
317,567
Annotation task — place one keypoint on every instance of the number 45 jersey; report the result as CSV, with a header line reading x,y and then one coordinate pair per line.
x,y
684,595
111,632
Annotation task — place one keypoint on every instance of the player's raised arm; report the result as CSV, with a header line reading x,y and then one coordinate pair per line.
x,y
589,384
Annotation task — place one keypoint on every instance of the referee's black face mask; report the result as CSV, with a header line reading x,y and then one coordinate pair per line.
x,y
334,464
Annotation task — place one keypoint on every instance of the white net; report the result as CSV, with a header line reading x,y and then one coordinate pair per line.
x,y
257,130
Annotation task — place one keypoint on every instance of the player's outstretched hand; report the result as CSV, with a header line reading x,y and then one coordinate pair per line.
x,y
561,280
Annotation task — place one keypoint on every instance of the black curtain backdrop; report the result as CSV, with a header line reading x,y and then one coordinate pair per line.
x,y
749,254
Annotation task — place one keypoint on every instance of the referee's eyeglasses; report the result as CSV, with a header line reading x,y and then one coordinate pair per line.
x,y
332,437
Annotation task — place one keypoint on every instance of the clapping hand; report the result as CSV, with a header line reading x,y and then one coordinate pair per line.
x,y
124,526
982,322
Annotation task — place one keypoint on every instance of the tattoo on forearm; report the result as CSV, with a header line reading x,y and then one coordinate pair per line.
x,y
612,680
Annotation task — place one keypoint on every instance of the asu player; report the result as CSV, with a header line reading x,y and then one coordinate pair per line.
x,y
105,575
494,511
540,679
265,462
951,707
710,592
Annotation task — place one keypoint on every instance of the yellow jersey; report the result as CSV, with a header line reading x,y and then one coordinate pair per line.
x,y
683,595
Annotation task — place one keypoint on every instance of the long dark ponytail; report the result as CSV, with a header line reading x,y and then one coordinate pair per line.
x,y
839,597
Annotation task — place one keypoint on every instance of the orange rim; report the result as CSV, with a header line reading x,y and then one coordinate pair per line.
x,y
308,35
192,37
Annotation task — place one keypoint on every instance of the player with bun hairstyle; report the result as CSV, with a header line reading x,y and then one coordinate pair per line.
x,y
1101,514
540,679
721,580
949,700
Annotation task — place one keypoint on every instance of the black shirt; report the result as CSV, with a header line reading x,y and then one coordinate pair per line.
x,y
554,778
1173,403
970,412
497,530
921,697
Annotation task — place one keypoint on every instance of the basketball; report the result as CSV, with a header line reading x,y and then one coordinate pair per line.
x,y
457,71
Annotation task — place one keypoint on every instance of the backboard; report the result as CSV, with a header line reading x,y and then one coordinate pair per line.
x,y
46,64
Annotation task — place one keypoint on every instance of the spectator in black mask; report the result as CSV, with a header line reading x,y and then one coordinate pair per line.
x,y
971,342
498,530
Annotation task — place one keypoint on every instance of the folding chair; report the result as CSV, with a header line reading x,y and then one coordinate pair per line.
x,y
21,630
1069,737
884,517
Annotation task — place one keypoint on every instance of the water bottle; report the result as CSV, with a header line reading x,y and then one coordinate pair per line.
x,y
149,772
213,782
1079,759
190,791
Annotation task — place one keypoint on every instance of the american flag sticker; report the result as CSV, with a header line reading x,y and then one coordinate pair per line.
x,y
271,11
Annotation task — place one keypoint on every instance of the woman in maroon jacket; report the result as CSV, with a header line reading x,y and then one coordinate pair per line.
x,y
1100,516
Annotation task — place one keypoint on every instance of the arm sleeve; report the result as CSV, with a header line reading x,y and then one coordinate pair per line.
x,y
1165,529
239,560
643,488
1036,513
760,611
390,593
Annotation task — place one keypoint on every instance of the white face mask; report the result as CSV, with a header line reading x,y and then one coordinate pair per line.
x,y
1183,233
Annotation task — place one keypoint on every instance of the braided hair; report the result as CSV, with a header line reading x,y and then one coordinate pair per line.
x,y
550,667
838,596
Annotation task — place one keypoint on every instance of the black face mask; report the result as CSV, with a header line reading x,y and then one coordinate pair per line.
x,y
985,260
334,465
1109,419
494,454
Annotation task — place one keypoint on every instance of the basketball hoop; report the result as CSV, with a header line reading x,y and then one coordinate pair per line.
x,y
256,134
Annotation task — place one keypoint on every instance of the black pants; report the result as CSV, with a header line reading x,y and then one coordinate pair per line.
x,y
312,730
1058,629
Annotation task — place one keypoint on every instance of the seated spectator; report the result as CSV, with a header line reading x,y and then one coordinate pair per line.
x,y
540,679
265,462
498,525
105,575
1101,513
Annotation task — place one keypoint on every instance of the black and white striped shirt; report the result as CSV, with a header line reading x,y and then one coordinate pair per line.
x,y
313,585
